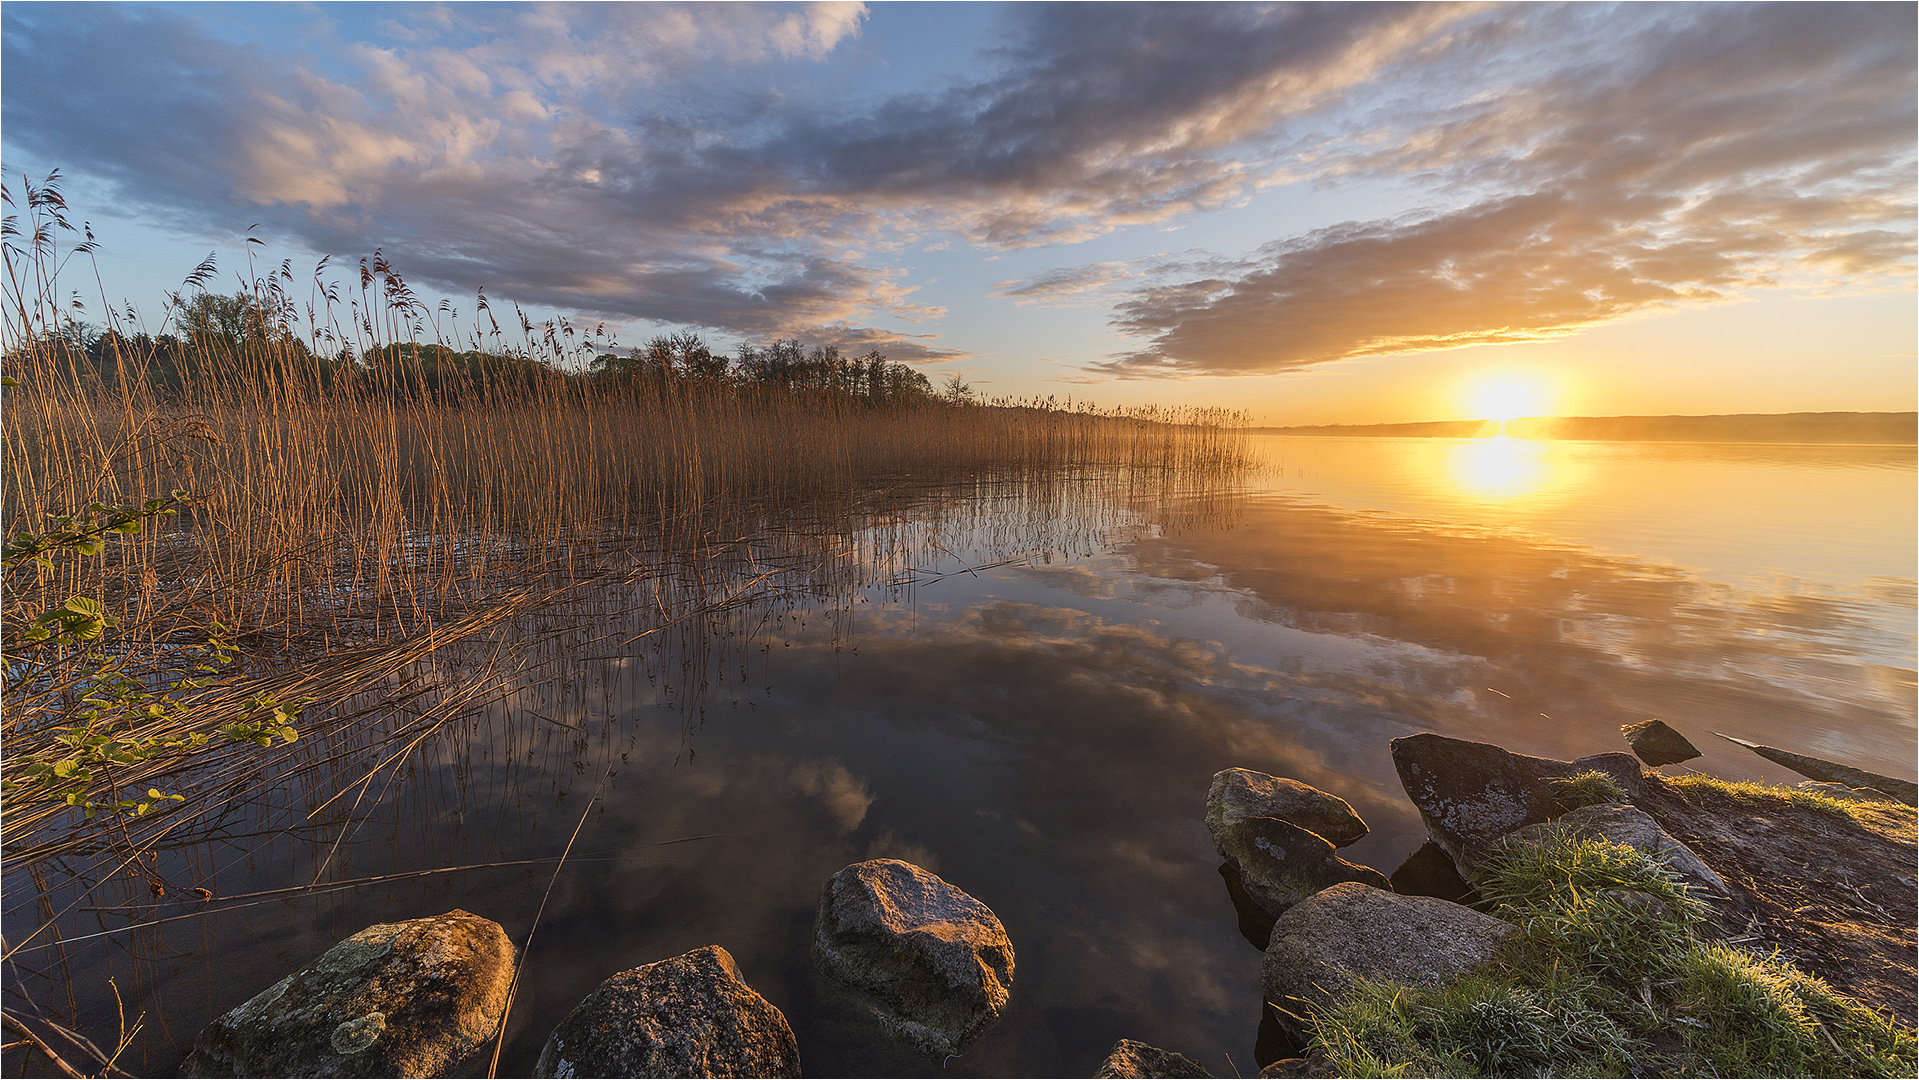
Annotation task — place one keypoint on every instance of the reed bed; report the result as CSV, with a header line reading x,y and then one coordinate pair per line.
x,y
329,506
421,548
352,504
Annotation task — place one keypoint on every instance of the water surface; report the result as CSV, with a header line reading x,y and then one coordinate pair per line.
x,y
1041,732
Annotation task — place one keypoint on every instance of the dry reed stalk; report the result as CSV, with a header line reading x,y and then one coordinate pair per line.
x,y
356,516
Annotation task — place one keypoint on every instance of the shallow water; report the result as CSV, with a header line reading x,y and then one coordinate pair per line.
x,y
1041,733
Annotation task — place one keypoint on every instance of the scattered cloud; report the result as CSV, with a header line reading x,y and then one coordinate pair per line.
x,y
704,165
1688,157
1072,284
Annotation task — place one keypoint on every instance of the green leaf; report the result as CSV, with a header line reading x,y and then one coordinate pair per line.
x,y
84,605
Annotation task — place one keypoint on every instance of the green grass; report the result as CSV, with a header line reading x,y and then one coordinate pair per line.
x,y
1752,792
1608,978
1590,788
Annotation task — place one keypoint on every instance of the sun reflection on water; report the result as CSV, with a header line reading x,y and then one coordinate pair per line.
x,y
1500,468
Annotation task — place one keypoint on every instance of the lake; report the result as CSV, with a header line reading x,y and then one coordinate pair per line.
x,y
1034,712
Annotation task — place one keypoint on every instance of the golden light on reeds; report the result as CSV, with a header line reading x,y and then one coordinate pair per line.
x,y
363,497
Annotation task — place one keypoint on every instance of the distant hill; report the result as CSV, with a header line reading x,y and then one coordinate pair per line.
x,y
1830,427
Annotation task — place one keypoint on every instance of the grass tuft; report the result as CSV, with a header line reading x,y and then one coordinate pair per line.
x,y
1607,978
1590,788
1752,792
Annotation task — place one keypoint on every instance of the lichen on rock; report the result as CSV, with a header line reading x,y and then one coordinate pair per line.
x,y
689,1016
1237,794
409,998
936,962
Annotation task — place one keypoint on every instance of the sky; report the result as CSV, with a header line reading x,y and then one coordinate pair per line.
x,y
1308,213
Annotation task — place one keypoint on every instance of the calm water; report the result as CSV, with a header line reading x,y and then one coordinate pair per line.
x,y
1041,733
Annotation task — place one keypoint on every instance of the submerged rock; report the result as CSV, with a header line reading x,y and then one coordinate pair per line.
x,y
937,961
1656,743
1832,772
689,1016
1621,825
1255,922
1238,794
1136,1060
396,999
1353,930
1470,794
1430,872
1281,864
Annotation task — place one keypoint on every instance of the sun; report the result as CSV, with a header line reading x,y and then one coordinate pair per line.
x,y
1507,395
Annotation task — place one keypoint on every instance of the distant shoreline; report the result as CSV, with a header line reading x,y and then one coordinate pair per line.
x,y
1868,428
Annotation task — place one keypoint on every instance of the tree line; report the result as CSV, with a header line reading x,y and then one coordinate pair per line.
x,y
215,335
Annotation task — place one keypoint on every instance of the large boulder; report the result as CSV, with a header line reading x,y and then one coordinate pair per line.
x,y
937,961
1238,794
1470,794
1281,864
1657,743
1622,825
689,1016
396,999
1138,1061
1353,930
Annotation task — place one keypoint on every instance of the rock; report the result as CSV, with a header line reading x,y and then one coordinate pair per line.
x,y
689,1016
1136,1059
1353,930
396,999
1470,794
1849,794
1255,922
1656,743
1281,864
1430,872
1832,772
1237,794
1271,1042
937,960
1834,890
1622,825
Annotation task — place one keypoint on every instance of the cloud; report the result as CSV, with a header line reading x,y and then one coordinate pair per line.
x,y
1065,285
672,163
1684,157
845,796
703,165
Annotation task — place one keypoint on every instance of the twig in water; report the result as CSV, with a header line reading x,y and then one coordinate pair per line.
x,y
21,1029
513,988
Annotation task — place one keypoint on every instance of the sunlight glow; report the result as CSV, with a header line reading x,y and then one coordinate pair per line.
x,y
1498,468
1506,395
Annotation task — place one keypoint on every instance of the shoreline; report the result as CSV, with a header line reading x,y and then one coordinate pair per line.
x,y
1813,429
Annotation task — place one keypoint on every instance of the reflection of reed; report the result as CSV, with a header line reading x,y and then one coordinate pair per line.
x,y
494,720
456,563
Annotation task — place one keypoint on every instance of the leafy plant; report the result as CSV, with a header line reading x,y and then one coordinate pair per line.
x,y
118,720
